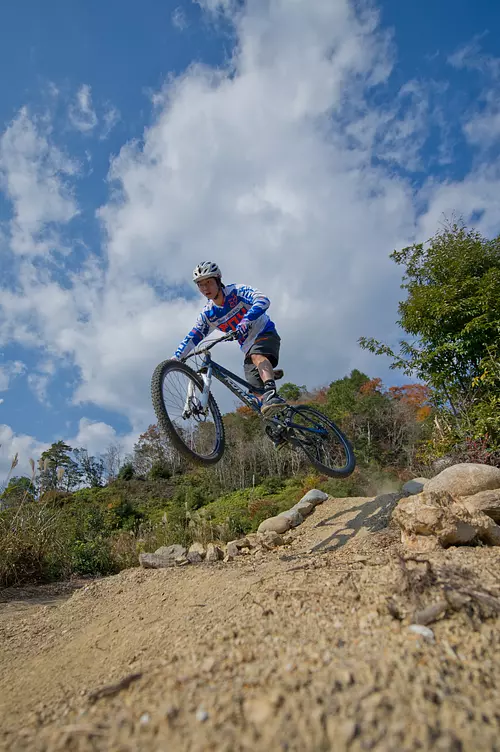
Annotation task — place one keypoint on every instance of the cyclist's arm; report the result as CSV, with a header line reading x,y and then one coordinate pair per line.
x,y
256,300
197,333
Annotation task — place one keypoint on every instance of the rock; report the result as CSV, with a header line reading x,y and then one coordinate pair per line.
x,y
201,715
228,558
315,496
232,550
420,544
214,553
294,517
253,540
171,552
242,543
270,539
442,463
304,507
422,631
155,561
277,524
431,613
443,521
196,553
414,486
465,479
181,561
487,502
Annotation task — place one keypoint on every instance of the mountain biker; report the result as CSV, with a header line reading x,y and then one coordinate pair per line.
x,y
240,309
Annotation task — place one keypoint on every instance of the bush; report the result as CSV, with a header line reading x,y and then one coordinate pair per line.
x,y
160,471
92,557
33,546
126,472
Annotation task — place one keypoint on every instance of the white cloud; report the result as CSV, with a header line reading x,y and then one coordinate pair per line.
x,y
33,177
81,113
281,169
481,123
38,385
24,446
110,118
8,371
179,20
95,436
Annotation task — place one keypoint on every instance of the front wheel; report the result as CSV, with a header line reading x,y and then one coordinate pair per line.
x,y
324,444
176,391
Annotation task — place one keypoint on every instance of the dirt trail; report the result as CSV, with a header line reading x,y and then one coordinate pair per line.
x,y
304,648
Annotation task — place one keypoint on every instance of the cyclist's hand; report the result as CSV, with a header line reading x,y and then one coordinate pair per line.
x,y
242,328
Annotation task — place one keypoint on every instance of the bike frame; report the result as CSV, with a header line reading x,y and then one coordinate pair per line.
x,y
209,369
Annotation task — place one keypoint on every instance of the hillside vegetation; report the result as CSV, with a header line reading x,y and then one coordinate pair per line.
x,y
84,515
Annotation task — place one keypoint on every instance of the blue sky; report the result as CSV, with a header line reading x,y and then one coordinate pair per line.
x,y
296,144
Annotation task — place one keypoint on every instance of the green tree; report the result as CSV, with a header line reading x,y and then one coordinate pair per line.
x,y
58,469
343,394
452,313
18,489
91,468
291,392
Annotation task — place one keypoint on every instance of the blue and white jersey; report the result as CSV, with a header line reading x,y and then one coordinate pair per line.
x,y
240,302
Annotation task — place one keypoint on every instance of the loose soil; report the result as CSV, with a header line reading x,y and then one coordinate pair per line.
x,y
307,647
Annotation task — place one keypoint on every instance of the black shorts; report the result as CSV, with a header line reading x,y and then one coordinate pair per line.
x,y
267,344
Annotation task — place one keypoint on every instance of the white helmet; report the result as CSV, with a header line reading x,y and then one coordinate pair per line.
x,y
206,270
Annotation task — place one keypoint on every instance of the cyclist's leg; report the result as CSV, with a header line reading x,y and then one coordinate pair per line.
x,y
259,366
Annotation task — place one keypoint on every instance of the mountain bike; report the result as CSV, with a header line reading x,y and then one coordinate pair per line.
x,y
188,413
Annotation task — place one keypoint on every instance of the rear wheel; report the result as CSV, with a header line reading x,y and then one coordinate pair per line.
x,y
324,444
176,392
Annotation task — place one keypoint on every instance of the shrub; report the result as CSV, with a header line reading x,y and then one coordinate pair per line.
x,y
126,472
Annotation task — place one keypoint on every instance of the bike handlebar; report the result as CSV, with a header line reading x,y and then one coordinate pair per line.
x,y
198,351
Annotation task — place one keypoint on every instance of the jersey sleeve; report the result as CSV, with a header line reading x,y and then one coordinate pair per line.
x,y
256,300
197,333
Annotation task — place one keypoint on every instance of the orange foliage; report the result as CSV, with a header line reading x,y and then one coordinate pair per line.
x,y
371,386
414,395
423,413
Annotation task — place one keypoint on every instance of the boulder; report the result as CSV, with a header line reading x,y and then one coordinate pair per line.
x,y
232,550
304,507
414,486
487,502
293,516
196,553
155,561
214,553
465,479
271,539
277,524
171,552
253,540
315,496
430,519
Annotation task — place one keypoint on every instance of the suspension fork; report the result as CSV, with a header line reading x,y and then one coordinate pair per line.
x,y
207,382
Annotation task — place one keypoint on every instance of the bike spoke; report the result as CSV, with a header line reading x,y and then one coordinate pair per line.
x,y
321,440
197,431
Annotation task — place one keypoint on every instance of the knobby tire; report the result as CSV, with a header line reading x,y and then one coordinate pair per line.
x,y
166,424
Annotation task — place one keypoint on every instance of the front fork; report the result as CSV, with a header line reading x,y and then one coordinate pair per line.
x,y
190,405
